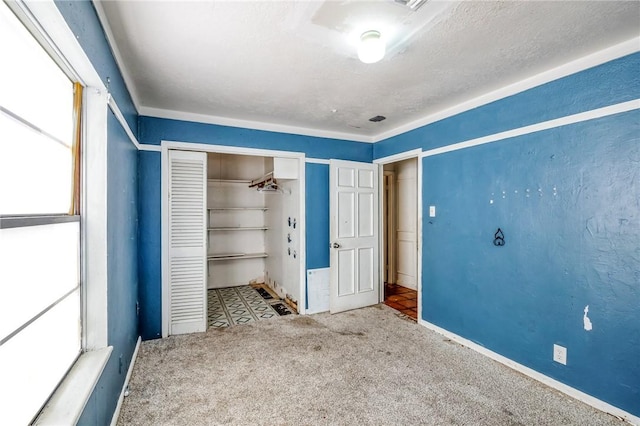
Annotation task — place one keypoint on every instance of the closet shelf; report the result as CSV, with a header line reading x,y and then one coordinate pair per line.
x,y
234,256
237,181
237,208
239,228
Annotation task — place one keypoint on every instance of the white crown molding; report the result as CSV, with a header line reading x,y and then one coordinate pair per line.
x,y
598,58
126,75
249,124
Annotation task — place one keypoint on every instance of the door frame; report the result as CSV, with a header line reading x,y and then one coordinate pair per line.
x,y
417,154
390,234
165,146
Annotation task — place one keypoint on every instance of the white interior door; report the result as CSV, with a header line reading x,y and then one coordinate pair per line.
x,y
407,223
354,235
187,242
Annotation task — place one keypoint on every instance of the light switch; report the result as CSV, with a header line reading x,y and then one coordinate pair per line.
x,y
432,211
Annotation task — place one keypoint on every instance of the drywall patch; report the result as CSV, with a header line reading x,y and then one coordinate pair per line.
x,y
587,322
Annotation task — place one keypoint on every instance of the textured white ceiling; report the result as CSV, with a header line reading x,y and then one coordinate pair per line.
x,y
294,63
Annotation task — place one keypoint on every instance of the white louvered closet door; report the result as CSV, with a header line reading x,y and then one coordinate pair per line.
x,y
187,242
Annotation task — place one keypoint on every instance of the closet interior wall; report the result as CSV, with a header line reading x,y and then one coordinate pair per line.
x,y
253,236
283,236
236,221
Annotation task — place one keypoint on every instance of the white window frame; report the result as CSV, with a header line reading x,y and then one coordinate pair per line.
x,y
46,23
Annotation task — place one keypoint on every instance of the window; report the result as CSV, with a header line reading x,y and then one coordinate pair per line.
x,y
40,308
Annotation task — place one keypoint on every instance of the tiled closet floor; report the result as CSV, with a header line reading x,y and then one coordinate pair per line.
x,y
242,305
402,299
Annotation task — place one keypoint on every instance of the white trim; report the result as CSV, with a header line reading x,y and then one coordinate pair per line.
x,y
67,403
546,380
609,54
126,75
166,145
123,122
125,385
164,241
150,147
399,157
302,244
125,125
94,220
317,161
251,124
545,125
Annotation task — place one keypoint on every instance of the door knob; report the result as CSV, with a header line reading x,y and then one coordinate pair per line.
x,y
336,245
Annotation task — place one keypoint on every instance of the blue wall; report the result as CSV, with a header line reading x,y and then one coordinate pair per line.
x,y
149,249
566,248
154,130
317,215
122,216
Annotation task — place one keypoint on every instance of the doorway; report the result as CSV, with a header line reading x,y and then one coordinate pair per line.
x,y
400,235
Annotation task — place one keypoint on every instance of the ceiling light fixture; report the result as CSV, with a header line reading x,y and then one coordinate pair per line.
x,y
371,48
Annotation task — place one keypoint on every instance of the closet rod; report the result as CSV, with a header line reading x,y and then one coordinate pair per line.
x,y
262,181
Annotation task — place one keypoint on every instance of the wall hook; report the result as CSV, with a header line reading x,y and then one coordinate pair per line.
x,y
498,238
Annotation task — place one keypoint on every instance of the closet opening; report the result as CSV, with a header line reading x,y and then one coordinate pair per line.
x,y
400,236
233,236
253,234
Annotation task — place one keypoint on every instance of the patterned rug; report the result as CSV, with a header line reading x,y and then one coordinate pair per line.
x,y
240,305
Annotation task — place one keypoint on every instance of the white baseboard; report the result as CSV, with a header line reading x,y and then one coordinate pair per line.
x,y
116,413
567,390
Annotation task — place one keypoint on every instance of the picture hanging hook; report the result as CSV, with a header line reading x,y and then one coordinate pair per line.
x,y
498,238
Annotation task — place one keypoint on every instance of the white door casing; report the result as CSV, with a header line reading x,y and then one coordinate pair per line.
x,y
353,235
389,233
187,268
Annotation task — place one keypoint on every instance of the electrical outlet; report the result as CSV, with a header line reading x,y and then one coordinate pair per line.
x,y
560,354
432,211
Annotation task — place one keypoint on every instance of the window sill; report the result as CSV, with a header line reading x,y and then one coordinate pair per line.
x,y
68,401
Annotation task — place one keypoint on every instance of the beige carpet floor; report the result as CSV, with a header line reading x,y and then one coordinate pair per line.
x,y
367,366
